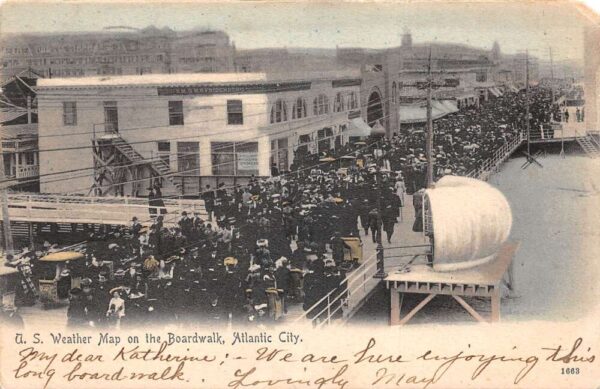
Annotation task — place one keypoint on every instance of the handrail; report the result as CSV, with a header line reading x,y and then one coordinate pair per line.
x,y
497,158
347,280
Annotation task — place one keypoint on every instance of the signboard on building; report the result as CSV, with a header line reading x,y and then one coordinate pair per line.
x,y
236,89
451,82
247,161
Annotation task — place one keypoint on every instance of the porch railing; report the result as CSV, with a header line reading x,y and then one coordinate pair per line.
x,y
28,171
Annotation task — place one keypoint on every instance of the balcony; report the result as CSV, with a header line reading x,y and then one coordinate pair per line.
x,y
27,171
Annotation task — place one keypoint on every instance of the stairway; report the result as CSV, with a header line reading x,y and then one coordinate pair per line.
x,y
158,165
589,146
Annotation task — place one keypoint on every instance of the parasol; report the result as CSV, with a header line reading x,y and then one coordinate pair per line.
x,y
62,256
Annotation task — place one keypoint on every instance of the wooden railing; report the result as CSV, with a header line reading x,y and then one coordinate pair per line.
x,y
343,301
492,164
28,171
97,210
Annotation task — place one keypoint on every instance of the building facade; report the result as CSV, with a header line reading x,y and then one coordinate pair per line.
x,y
125,133
114,52
18,131
394,79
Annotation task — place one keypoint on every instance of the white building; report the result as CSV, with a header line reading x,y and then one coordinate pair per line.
x,y
121,134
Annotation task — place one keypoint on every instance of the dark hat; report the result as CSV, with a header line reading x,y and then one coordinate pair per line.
x,y
86,282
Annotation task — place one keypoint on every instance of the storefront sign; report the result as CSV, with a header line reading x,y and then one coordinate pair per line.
x,y
221,89
247,161
346,82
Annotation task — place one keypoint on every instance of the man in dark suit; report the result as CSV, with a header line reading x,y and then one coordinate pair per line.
x,y
209,201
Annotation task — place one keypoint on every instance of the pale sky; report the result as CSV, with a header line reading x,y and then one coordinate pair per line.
x,y
516,26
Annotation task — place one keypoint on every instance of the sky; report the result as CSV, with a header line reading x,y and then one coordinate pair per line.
x,y
516,26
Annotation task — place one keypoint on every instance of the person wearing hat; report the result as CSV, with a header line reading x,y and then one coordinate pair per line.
x,y
116,308
209,201
388,218
185,224
230,298
283,279
136,227
375,224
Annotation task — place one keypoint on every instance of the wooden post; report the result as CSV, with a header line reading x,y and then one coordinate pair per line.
x,y
394,306
30,234
8,240
28,109
496,304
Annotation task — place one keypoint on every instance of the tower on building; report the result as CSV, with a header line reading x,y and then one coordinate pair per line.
x,y
406,39
496,51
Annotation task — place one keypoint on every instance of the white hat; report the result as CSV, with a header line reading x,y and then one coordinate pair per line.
x,y
254,268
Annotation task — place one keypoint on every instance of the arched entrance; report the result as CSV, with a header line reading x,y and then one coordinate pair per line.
x,y
374,108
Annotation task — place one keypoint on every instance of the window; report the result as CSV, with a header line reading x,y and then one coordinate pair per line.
x,y
481,76
111,116
303,144
279,153
70,113
29,158
324,135
299,109
164,152
234,159
321,105
352,101
188,158
394,92
279,112
176,113
235,114
338,103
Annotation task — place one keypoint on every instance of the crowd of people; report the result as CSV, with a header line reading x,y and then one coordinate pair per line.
x,y
274,242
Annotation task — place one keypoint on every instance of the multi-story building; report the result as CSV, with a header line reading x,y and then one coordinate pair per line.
x,y
394,79
18,131
115,52
285,60
123,134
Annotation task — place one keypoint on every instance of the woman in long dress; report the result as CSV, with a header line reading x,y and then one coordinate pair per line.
x,y
116,309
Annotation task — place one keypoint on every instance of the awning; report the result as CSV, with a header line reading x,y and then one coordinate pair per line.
x,y
449,106
418,113
358,127
378,129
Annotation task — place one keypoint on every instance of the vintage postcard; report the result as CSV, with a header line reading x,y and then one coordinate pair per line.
x,y
350,195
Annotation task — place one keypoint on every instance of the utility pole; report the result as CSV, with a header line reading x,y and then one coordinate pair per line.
x,y
429,134
8,241
562,137
551,75
527,121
